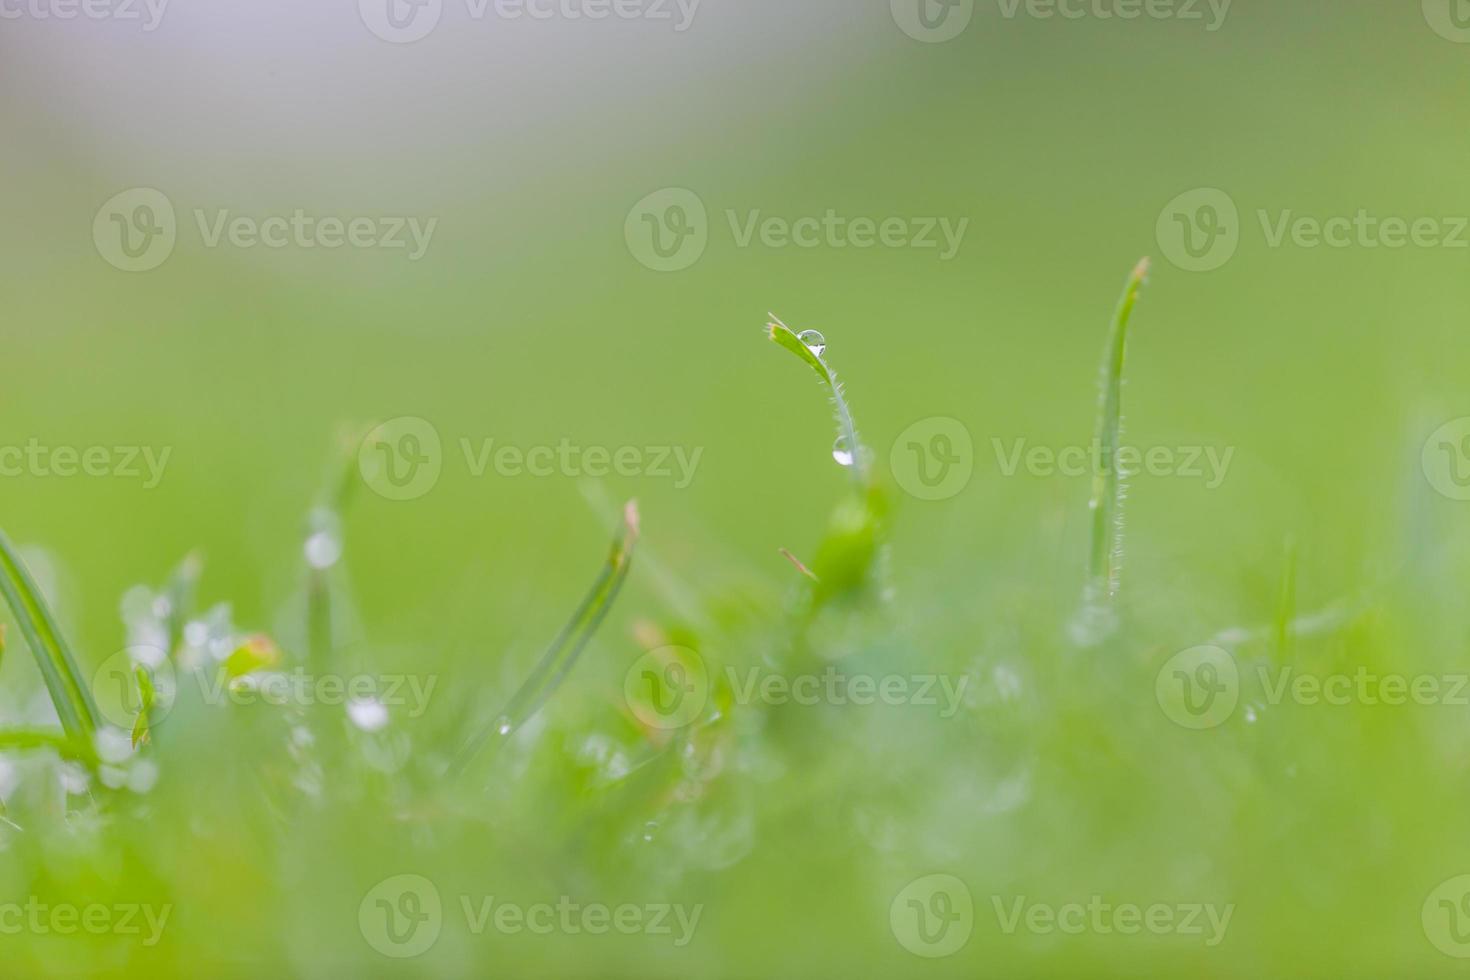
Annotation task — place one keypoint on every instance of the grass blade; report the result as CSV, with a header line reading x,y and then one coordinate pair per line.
x,y
1106,504
73,700
846,431
563,652
30,740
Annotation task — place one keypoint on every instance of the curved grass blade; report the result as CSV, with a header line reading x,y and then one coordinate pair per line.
x,y
563,652
1106,503
846,430
73,700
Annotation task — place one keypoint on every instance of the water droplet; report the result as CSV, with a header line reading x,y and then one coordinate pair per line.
x,y
367,714
323,550
503,726
842,452
649,829
814,341
1250,714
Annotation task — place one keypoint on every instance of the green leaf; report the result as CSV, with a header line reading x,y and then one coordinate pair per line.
x,y
563,652
73,700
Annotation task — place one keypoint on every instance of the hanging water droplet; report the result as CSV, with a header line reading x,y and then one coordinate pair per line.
x,y
842,452
814,341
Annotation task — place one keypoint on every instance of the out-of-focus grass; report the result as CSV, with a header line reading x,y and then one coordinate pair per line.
x,y
794,826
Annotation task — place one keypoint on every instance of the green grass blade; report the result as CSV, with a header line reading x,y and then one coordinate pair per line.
x,y
73,700
846,429
31,740
568,645
1106,504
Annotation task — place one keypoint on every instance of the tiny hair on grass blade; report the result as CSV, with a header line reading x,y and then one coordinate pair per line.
x,y
73,700
568,645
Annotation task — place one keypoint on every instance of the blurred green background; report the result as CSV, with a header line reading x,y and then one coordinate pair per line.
x,y
530,320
